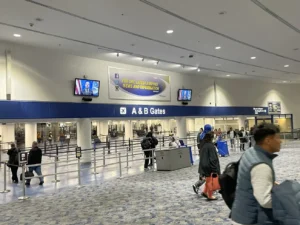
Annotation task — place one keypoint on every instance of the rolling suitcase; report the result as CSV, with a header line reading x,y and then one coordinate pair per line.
x,y
223,148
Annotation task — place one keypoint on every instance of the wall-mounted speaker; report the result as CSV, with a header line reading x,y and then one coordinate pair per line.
x,y
185,103
87,99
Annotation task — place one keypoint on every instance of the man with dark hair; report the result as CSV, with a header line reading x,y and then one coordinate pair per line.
x,y
256,178
13,162
35,157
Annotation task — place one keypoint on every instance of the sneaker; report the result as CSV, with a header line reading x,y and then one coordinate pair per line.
x,y
41,183
195,189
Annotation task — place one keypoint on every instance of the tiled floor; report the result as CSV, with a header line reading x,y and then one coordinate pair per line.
x,y
144,198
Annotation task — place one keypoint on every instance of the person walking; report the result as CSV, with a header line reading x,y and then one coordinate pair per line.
x,y
243,139
198,137
13,162
201,181
256,178
35,157
209,164
232,135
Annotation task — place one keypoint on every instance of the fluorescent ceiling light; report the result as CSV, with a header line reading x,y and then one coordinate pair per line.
x,y
218,47
170,31
284,81
286,65
253,57
228,75
17,35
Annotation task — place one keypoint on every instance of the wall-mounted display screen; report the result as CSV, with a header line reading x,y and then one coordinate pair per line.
x,y
84,87
184,95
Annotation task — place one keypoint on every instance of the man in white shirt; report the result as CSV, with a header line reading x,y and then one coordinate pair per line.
x,y
232,135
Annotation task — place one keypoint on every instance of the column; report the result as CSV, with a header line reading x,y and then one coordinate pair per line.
x,y
30,134
84,127
103,125
190,125
166,125
8,135
128,130
98,128
181,127
242,120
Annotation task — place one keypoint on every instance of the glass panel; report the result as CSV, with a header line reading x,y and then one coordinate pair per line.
x,y
285,124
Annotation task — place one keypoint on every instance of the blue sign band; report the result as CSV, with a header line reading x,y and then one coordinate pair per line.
x,y
44,110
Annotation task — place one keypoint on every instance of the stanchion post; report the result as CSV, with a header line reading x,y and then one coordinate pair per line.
x,y
153,158
68,148
127,161
45,147
1,157
24,197
55,170
103,156
57,151
120,165
79,168
95,163
129,143
116,146
163,140
4,182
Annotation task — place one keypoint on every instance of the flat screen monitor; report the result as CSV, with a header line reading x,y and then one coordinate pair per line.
x,y
184,95
84,87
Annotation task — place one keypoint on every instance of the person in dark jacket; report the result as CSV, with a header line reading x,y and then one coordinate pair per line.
x,y
13,162
201,181
209,162
149,149
35,157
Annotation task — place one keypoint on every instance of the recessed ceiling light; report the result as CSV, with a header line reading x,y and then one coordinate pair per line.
x,y
253,57
284,81
170,31
228,75
286,65
218,64
17,35
198,70
218,47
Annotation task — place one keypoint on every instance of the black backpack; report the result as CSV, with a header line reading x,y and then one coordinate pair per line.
x,y
146,143
155,141
228,182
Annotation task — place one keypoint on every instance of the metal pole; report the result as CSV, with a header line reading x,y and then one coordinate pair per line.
x,y
163,140
120,165
0,157
79,178
68,148
116,146
4,188
153,159
24,197
127,161
103,156
129,144
55,170
195,147
95,172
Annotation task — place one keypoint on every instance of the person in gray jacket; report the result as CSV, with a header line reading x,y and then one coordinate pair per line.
x,y
256,178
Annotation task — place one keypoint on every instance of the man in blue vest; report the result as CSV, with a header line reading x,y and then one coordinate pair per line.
x,y
256,178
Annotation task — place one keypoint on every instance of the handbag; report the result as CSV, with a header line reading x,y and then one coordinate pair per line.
x,y
28,174
212,182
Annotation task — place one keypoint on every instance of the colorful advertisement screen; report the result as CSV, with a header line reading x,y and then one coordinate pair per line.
x,y
184,95
84,87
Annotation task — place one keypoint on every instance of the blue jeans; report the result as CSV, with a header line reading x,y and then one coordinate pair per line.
x,y
38,171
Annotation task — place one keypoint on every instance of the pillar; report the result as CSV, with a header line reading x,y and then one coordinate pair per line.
x,y
8,135
190,125
30,134
128,130
181,127
84,127
242,120
103,125
98,128
166,125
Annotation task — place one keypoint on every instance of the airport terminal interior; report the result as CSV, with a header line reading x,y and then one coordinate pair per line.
x,y
89,83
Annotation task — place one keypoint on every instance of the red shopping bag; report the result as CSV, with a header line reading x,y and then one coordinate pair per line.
x,y
212,182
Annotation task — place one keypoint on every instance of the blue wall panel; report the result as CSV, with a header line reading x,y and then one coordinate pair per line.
x,y
44,110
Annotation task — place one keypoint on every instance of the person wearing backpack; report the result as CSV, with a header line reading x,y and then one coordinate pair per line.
x,y
13,162
256,179
148,144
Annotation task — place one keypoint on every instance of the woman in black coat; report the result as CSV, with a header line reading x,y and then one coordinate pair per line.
x,y
209,162
13,162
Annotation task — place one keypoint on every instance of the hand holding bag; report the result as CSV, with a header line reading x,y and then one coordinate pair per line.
x,y
213,182
28,174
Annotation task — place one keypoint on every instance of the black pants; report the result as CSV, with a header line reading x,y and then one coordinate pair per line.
x,y
14,172
148,154
242,146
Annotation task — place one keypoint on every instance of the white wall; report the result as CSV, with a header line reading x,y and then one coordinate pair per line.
x,y
47,75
